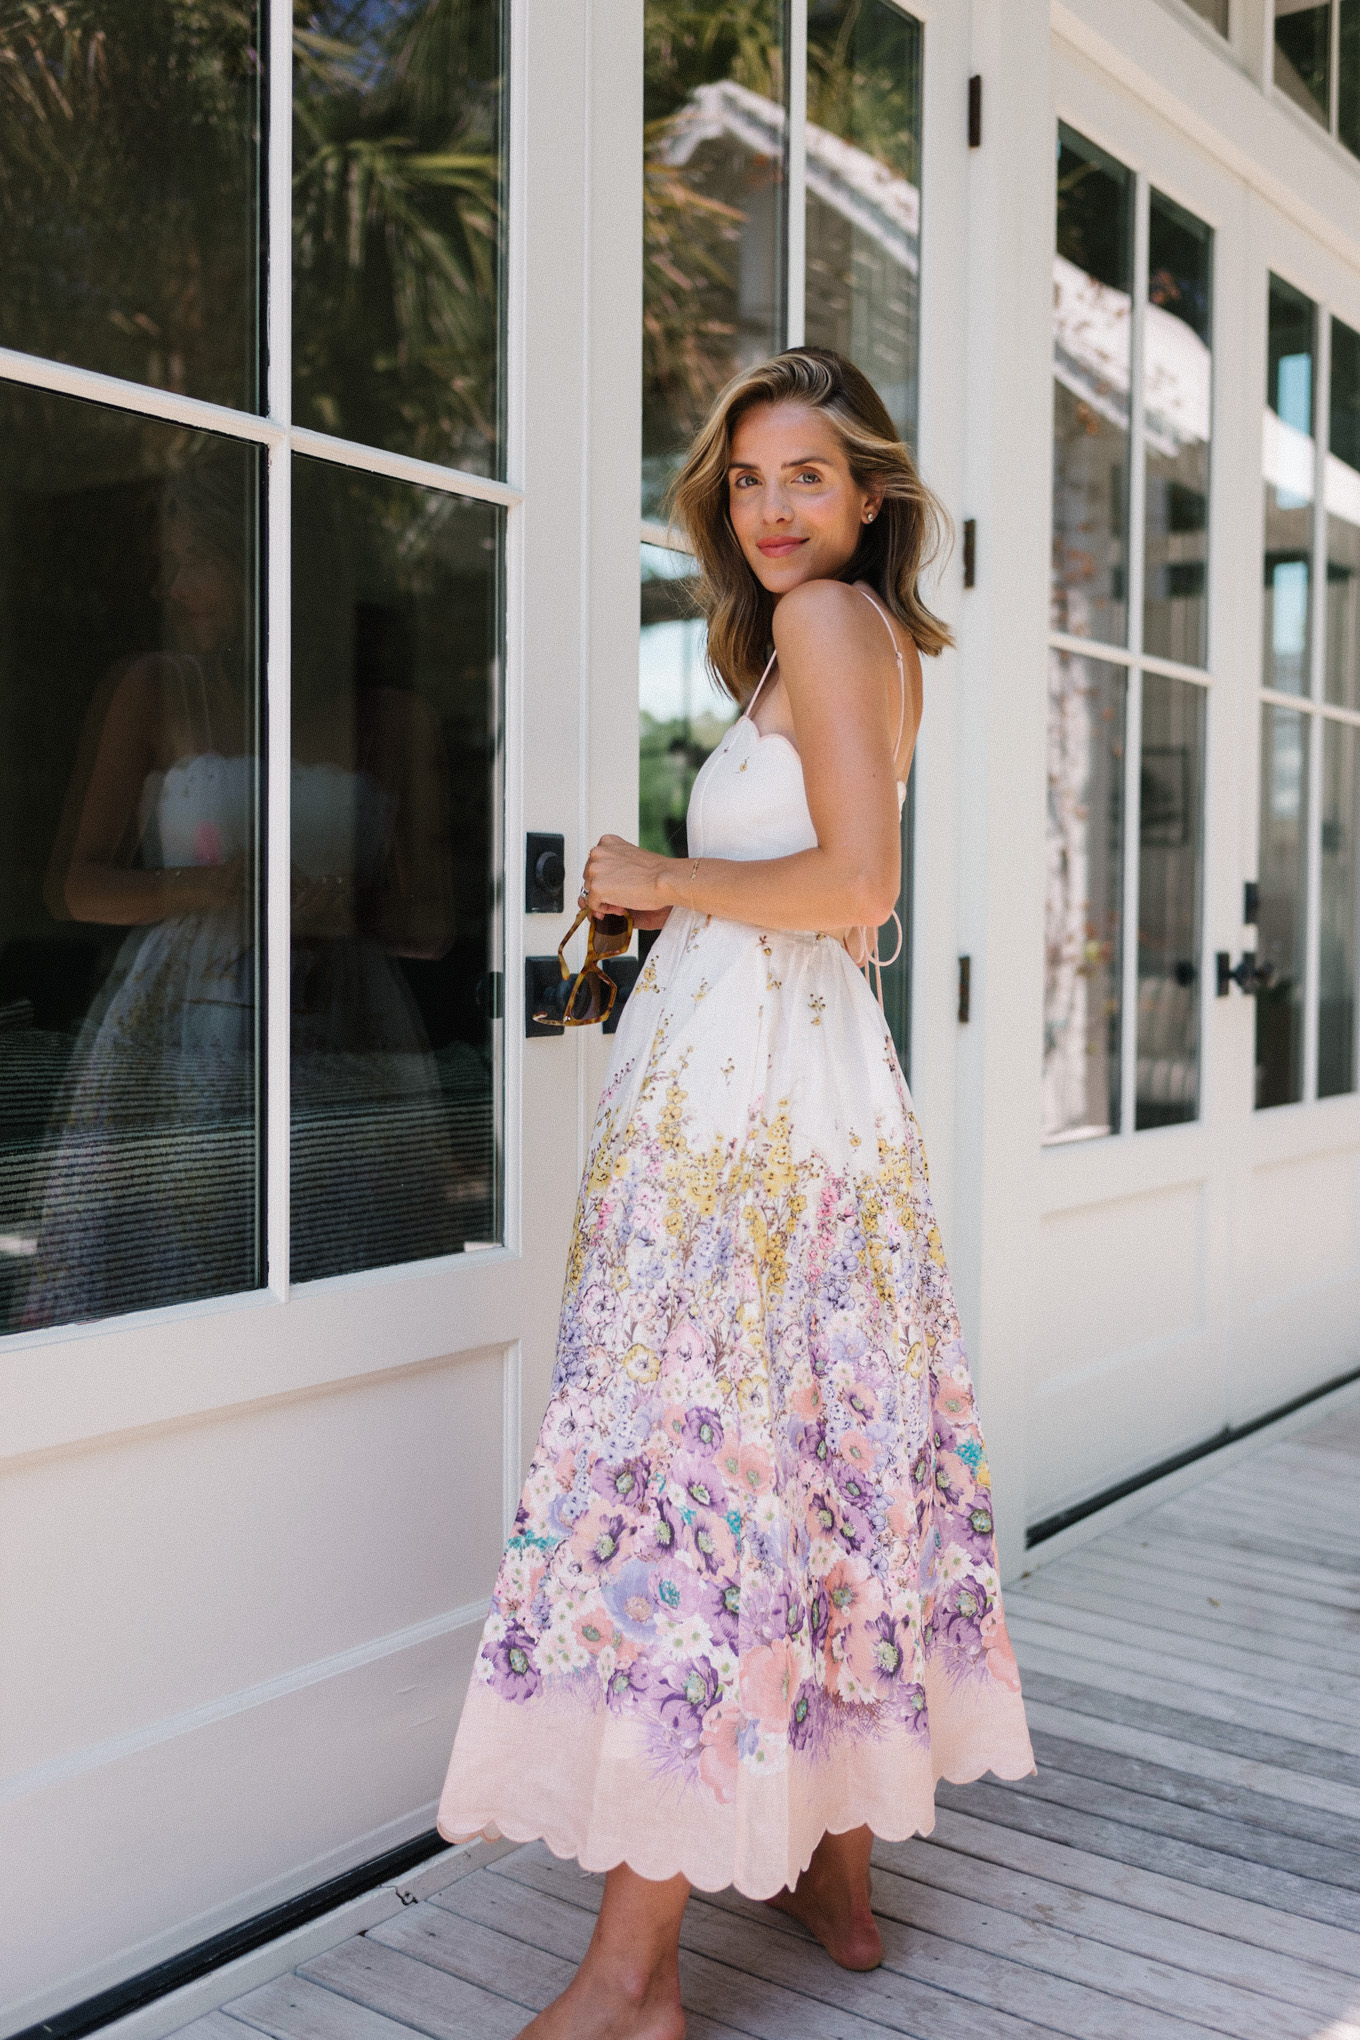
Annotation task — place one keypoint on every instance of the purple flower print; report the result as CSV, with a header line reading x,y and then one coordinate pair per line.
x,y
703,1432
852,1484
712,1542
807,1718
514,1674
680,1590
603,1548
819,1614
630,1597
854,1530
812,1445
623,1485
680,1696
909,1706
664,1528
722,1609
822,1513
627,1685
887,1646
957,1621
700,1481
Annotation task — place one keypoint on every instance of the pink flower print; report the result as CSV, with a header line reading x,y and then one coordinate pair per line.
x,y
853,1592
597,1537
718,1753
862,1401
954,1400
857,1449
902,1515
755,1470
808,1402
594,1631
207,843
997,1644
683,1352
565,1469
673,1423
768,1676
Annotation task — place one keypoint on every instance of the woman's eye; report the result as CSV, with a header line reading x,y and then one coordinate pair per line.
x,y
809,475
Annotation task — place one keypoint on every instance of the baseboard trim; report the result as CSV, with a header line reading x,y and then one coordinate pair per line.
x,y
173,1993
1068,1528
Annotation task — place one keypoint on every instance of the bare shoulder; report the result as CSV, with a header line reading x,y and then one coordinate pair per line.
x,y
816,609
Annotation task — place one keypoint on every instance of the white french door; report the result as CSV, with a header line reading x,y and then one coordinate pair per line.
x,y
247,1534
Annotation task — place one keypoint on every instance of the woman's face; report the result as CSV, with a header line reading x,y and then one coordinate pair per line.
x,y
795,507
202,587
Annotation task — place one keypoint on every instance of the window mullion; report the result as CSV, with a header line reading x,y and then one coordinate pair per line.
x,y
1334,69
795,245
278,650
1133,710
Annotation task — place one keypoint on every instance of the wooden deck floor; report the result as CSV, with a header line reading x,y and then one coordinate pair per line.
x,y
1186,1862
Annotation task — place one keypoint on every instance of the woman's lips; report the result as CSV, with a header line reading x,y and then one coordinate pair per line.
x,y
775,548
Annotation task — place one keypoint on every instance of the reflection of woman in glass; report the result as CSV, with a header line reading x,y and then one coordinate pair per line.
x,y
151,1192
151,1195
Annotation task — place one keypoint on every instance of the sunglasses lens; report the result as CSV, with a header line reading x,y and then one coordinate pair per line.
x,y
585,999
610,934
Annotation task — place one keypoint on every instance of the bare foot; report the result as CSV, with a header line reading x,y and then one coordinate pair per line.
x,y
628,1986
831,1899
594,2007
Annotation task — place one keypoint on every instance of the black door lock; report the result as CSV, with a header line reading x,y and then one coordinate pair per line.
x,y
1249,975
545,868
546,992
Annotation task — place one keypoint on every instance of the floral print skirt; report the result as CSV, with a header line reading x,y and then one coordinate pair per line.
x,y
751,1594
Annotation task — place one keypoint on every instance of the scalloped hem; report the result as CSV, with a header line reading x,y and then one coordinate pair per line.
x,y
613,1810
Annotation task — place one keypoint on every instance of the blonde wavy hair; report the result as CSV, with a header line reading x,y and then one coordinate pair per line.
x,y
910,530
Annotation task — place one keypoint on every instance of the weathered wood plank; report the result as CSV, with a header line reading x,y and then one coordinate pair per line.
x,y
1168,1897
1314,1586
415,1995
459,1946
291,2008
1106,1921
1149,1851
1179,1773
795,1973
1150,1631
1225,1607
1310,1558
1263,1747
214,2026
1149,1603
1297,1788
1314,1715
1064,1784
1070,1662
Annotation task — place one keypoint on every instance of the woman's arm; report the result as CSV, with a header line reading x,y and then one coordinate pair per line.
x,y
841,681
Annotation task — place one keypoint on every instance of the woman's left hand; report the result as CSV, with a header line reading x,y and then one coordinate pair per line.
x,y
622,878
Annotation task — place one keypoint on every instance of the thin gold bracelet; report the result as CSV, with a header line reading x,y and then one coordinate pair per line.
x,y
693,874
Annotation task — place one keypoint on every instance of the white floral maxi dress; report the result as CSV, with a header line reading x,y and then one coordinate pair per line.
x,y
751,1594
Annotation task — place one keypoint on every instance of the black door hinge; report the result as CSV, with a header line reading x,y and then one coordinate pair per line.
x,y
970,552
975,111
965,989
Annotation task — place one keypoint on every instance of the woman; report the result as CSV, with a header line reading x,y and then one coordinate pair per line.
x,y
750,1610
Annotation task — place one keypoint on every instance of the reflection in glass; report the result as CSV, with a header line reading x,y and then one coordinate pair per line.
x,y
682,713
1343,520
1177,394
1215,12
1288,461
863,192
1348,76
129,783
395,792
399,181
1281,932
1083,906
1303,54
713,213
1092,307
1337,933
129,189
1170,854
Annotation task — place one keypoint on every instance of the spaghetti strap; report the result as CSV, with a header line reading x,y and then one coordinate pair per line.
x,y
901,674
746,712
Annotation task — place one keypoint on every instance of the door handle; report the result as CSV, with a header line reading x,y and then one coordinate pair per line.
x,y
1249,976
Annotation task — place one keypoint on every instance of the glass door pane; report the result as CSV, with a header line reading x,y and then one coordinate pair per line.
x,y
1303,54
713,213
396,1096
1343,521
1288,460
1092,332
1178,400
1282,924
864,193
1170,852
1084,899
130,1126
682,712
1340,872
399,194
130,160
